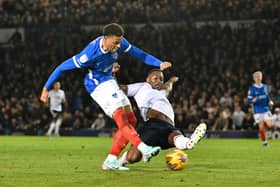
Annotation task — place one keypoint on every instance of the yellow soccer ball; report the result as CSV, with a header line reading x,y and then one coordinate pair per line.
x,y
176,159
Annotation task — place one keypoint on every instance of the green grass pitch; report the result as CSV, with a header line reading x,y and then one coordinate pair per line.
x,y
75,161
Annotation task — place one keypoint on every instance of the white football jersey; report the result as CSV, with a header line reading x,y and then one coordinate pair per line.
x,y
276,120
146,97
56,99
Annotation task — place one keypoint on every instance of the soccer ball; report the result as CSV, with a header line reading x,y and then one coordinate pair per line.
x,y
176,159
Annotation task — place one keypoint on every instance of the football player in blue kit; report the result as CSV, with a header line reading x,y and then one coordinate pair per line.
x,y
98,58
258,96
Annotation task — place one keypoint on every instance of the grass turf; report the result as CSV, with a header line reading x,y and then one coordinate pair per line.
x,y
75,161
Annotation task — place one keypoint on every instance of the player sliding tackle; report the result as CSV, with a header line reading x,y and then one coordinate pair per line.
x,y
158,114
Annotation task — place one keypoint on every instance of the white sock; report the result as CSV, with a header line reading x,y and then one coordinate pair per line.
x,y
123,160
142,146
180,142
57,126
51,128
264,142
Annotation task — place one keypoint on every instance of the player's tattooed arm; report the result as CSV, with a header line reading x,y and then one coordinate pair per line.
x,y
169,84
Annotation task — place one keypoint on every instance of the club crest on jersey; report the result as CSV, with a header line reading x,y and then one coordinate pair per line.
x,y
83,58
115,95
115,55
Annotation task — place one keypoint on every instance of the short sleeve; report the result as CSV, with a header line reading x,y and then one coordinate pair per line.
x,y
132,89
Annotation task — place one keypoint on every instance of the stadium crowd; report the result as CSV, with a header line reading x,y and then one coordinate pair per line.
x,y
214,62
30,12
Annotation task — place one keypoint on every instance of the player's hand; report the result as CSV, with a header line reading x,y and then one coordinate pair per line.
x,y
254,100
271,103
164,65
116,67
174,79
44,95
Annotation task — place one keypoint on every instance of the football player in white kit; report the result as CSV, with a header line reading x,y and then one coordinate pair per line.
x,y
98,58
276,118
56,100
158,115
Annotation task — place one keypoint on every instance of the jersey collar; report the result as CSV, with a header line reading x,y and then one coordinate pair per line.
x,y
100,46
258,86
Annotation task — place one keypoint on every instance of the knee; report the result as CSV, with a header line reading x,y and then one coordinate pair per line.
x,y
268,124
133,156
132,119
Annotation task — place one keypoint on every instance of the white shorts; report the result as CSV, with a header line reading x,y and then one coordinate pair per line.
x,y
263,117
109,97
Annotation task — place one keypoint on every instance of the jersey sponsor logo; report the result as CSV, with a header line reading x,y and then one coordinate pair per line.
x,y
83,58
108,68
261,96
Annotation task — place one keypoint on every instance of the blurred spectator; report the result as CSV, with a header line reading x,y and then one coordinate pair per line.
x,y
223,122
249,122
30,12
276,118
99,122
238,117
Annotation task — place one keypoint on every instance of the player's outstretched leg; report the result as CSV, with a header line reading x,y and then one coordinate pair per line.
x,y
123,160
112,163
128,131
135,155
148,152
198,133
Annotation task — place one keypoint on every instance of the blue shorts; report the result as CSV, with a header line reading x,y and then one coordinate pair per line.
x,y
155,133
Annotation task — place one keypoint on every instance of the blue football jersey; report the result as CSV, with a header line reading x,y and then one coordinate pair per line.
x,y
99,63
261,94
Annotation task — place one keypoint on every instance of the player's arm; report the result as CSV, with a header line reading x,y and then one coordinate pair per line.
x,y
64,101
123,87
143,56
270,102
168,85
251,99
47,103
82,60
131,89
66,65
115,69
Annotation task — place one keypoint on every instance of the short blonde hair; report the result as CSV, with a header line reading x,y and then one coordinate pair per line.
x,y
257,73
